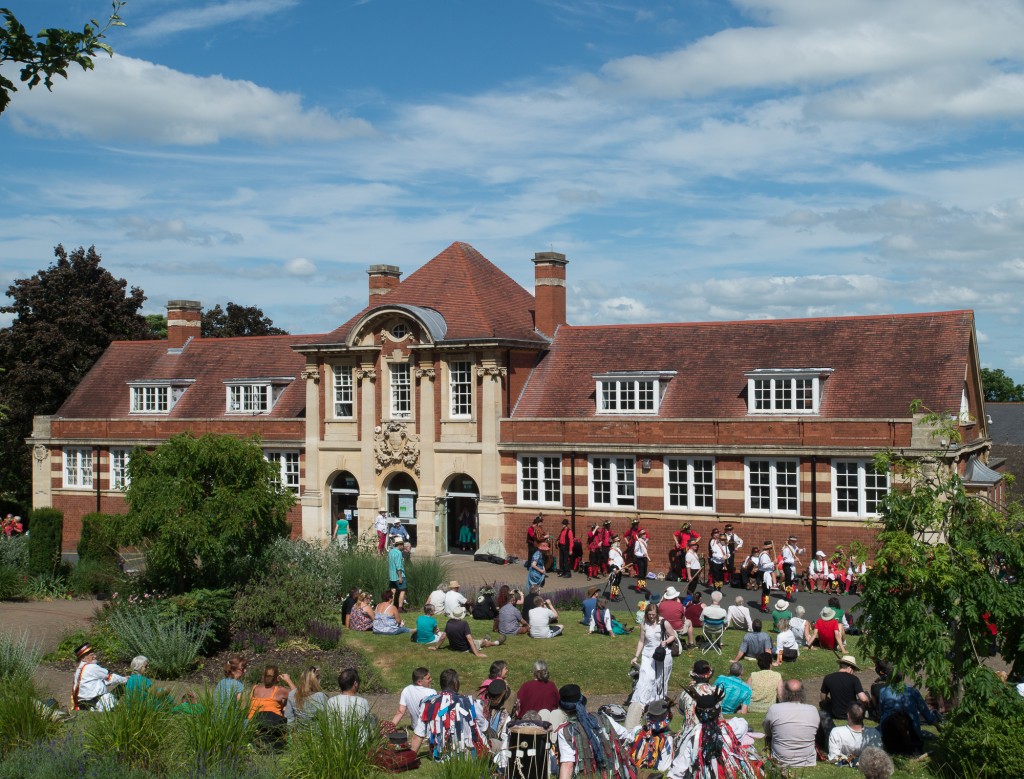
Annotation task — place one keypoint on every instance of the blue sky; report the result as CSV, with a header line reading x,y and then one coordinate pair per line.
x,y
695,160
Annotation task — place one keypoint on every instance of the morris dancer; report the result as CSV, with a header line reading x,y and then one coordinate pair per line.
x,y
92,685
789,563
766,570
718,552
819,574
734,543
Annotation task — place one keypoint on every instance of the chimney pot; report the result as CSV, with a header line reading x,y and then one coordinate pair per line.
x,y
549,291
383,279
184,320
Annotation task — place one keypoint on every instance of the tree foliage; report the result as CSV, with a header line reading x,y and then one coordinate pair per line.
x,y
203,510
944,575
237,321
64,318
999,387
51,51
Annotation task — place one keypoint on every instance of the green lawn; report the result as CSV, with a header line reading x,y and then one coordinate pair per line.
x,y
597,663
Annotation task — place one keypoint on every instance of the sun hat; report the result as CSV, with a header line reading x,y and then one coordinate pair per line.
x,y
453,585
657,710
458,612
849,660
671,594
828,613
781,605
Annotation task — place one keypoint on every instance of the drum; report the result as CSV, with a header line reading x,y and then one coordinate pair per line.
x,y
528,752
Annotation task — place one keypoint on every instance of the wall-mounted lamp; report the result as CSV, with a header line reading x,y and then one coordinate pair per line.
x,y
646,463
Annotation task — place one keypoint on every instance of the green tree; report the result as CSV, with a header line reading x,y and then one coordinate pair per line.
x,y
203,510
943,575
237,321
999,387
64,318
51,52
157,324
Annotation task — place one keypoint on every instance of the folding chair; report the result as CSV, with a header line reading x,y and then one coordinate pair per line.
x,y
713,631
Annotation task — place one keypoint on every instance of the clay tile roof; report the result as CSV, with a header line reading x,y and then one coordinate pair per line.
x,y
476,298
880,363
104,393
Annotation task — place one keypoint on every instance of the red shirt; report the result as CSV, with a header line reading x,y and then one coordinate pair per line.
x,y
693,613
828,633
672,612
535,695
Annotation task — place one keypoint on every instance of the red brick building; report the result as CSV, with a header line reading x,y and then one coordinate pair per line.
x,y
457,394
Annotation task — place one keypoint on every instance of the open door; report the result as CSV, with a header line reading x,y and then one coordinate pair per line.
x,y
441,525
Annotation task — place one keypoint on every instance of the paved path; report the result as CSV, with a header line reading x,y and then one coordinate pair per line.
x,y
45,622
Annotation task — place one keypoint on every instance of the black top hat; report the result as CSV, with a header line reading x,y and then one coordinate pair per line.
x,y
569,695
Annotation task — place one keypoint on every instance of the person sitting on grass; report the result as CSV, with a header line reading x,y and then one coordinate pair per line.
x,y
801,627
589,604
361,616
510,620
451,723
537,694
93,683
459,639
138,683
786,646
498,670
426,627
601,621
230,688
828,633
307,698
739,615
542,616
266,707
411,700
755,643
386,619
737,692
765,684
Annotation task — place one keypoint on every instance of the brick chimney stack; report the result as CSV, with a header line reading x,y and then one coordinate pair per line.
x,y
383,279
549,291
184,319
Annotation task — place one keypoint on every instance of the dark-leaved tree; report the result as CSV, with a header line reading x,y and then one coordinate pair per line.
x,y
203,510
999,387
64,318
237,321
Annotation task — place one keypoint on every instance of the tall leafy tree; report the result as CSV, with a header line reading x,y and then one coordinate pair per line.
x,y
999,387
50,52
204,509
236,321
64,318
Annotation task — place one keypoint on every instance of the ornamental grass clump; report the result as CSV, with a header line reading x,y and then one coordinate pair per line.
x,y
465,766
137,732
171,643
331,745
24,719
213,735
18,658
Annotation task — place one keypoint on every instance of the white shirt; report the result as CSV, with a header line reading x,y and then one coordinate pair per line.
x,y
786,640
714,612
95,681
692,561
540,622
453,599
788,554
639,548
739,617
615,558
736,540
798,626
349,704
412,698
764,562
380,524
436,599
719,551
843,741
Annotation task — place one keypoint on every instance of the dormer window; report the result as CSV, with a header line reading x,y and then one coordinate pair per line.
x,y
157,396
254,396
785,391
631,392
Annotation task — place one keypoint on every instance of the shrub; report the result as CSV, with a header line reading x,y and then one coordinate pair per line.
x,y
171,643
212,607
44,544
213,735
290,599
324,635
25,719
10,583
64,758
137,732
14,552
101,639
96,577
330,745
18,658
99,538
425,573
982,736
46,586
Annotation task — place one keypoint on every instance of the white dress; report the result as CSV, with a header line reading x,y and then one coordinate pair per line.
x,y
654,677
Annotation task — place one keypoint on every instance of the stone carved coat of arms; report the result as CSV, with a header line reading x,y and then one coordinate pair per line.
x,y
394,444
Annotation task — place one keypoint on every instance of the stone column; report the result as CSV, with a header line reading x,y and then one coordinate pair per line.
x,y
490,508
369,500
316,524
426,530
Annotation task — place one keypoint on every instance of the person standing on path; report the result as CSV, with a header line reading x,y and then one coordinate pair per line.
x,y
397,580
565,544
380,525
692,566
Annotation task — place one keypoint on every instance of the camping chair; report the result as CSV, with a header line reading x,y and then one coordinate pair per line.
x,y
713,630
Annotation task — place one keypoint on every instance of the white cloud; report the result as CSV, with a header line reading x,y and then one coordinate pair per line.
x,y
188,19
176,230
134,100
300,266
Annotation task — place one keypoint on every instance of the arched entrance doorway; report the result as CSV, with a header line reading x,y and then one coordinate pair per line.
x,y
463,525
400,501
344,503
